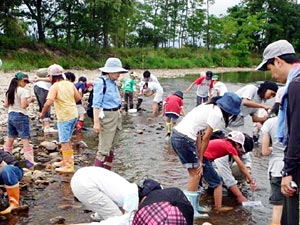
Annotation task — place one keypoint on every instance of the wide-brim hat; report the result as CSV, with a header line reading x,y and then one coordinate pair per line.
x,y
113,65
230,103
165,207
179,94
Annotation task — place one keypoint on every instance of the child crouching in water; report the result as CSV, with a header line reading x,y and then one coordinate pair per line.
x,y
233,145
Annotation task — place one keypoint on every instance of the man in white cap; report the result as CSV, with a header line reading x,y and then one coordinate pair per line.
x,y
280,59
106,110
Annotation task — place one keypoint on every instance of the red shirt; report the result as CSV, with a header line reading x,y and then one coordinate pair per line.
x,y
174,104
218,148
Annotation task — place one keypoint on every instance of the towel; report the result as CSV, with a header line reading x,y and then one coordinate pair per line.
x,y
281,133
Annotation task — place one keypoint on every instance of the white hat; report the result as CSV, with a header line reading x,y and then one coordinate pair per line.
x,y
238,137
55,70
279,94
113,65
274,49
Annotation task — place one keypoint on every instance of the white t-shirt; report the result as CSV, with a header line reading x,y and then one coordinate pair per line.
x,y
20,94
199,119
219,87
117,188
276,158
249,92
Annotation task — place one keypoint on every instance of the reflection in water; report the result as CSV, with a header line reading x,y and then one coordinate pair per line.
x,y
143,152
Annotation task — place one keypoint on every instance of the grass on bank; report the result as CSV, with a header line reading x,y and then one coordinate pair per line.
x,y
32,55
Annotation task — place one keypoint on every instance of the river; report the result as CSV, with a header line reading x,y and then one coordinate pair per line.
x,y
144,152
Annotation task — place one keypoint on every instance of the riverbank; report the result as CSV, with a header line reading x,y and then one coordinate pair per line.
x,y
162,73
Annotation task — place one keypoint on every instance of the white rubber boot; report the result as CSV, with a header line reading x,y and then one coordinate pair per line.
x,y
193,197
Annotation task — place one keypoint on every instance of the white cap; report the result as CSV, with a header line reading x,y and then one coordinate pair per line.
x,y
274,49
113,65
238,137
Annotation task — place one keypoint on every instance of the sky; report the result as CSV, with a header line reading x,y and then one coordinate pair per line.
x,y
221,6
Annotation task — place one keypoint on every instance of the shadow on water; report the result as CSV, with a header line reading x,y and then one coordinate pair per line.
x,y
143,152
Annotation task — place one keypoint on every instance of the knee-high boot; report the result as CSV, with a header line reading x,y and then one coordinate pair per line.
x,y
13,193
193,197
67,162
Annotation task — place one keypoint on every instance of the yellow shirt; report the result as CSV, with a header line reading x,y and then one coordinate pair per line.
x,y
63,95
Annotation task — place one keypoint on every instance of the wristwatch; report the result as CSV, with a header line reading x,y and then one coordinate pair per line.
x,y
285,174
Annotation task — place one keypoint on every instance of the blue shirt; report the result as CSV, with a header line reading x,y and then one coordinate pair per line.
x,y
111,98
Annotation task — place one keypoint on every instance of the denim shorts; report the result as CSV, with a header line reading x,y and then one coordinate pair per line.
x,y
210,175
174,117
276,197
185,149
18,125
11,175
65,130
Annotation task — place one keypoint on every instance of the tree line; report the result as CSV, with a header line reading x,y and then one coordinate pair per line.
x,y
246,27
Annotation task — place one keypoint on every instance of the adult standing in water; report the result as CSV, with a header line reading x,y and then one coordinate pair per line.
x,y
106,109
190,137
280,59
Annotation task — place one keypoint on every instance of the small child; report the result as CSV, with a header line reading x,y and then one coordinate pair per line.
x,y
128,90
172,109
16,100
82,88
232,145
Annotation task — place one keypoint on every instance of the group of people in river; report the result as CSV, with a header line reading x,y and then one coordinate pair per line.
x,y
207,140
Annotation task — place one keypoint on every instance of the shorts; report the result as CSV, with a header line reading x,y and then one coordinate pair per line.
x,y
201,100
276,197
210,175
18,125
185,149
81,109
173,116
65,130
158,97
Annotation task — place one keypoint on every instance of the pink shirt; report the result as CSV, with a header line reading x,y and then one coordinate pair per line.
x,y
218,148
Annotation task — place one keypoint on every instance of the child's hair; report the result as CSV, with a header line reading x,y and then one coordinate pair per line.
x,y
70,76
12,89
82,79
226,116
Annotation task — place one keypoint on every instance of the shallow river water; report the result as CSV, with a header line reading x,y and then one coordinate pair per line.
x,y
143,152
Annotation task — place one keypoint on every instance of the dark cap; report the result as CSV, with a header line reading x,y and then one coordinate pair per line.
x,y
148,186
209,74
165,207
179,94
22,76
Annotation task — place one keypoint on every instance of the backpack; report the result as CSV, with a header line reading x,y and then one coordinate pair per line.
x,y
89,109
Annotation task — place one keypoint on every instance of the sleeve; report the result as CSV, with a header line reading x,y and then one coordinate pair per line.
x,y
98,94
292,154
211,84
199,80
224,169
265,129
215,121
249,92
52,92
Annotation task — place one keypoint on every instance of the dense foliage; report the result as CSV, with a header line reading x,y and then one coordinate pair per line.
x,y
89,29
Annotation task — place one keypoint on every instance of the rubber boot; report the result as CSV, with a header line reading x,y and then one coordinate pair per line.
x,y
8,149
169,127
79,125
193,197
106,162
138,105
68,162
13,193
199,207
29,156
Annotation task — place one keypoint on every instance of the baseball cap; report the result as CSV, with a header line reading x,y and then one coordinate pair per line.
x,y
113,65
55,70
179,94
209,74
165,207
274,49
22,76
215,77
238,137
42,72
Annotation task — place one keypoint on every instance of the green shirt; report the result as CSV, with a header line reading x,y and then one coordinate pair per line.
x,y
128,84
